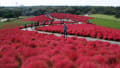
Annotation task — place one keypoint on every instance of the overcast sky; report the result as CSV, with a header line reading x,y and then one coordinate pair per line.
x,y
60,2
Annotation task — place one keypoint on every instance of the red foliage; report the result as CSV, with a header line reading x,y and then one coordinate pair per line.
x,y
40,18
88,65
64,64
72,17
37,64
30,49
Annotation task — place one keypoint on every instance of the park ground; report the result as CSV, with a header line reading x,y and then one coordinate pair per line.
x,y
100,19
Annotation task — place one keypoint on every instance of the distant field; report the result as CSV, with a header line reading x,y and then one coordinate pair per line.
x,y
106,20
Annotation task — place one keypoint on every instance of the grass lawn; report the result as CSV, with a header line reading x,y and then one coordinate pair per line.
x,y
106,20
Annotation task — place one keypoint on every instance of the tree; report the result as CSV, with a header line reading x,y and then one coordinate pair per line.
x,y
117,15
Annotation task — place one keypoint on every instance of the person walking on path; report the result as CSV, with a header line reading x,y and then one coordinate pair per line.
x,y
25,26
43,23
31,25
65,30
37,23
48,15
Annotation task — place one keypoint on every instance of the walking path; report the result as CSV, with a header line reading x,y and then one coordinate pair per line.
x,y
88,38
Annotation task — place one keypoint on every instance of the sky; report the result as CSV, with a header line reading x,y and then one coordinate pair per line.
x,y
60,2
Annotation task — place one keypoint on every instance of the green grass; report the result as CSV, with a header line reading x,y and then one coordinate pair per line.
x,y
3,23
106,20
22,22
15,21
23,17
0,17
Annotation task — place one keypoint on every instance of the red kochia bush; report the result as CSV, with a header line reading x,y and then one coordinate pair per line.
x,y
57,58
63,64
8,62
93,65
118,66
99,59
37,61
69,53
88,65
37,64
40,18
82,59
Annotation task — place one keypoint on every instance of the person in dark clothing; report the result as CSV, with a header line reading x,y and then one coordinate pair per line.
x,y
47,15
43,23
31,25
65,30
37,24
25,26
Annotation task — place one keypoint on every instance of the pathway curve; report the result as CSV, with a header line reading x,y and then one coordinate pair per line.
x,y
58,34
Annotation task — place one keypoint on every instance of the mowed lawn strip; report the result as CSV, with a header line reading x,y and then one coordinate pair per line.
x,y
106,20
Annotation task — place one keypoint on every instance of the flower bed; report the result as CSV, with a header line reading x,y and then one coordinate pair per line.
x,y
86,30
40,18
29,49
72,17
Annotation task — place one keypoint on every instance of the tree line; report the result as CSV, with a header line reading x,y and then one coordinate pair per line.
x,y
14,12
